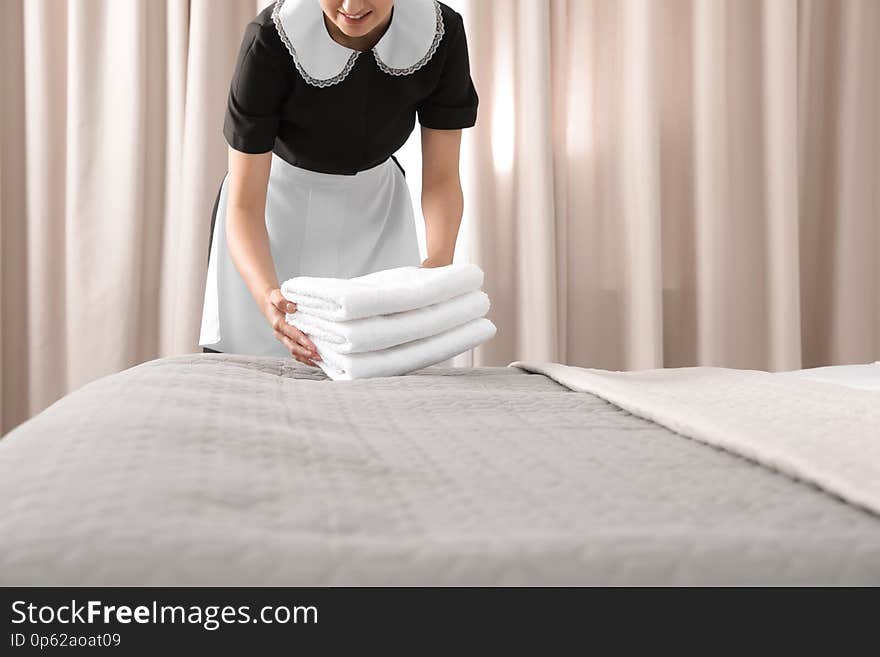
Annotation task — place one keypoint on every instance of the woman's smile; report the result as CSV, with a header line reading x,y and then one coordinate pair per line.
x,y
357,19
357,24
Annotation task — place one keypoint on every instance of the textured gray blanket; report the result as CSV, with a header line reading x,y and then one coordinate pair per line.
x,y
214,469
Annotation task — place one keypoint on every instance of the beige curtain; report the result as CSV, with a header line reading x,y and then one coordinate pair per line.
x,y
679,182
651,182
111,157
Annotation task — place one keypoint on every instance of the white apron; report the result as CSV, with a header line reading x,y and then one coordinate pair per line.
x,y
319,225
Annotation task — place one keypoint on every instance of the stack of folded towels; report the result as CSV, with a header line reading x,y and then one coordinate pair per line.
x,y
393,321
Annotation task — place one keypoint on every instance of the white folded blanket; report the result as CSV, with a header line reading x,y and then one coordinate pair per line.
x,y
383,331
382,292
406,357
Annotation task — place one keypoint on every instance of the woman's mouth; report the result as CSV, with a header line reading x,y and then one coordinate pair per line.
x,y
354,19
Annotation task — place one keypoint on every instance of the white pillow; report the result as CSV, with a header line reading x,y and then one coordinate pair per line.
x,y
865,377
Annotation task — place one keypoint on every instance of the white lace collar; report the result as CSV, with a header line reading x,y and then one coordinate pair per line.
x,y
408,44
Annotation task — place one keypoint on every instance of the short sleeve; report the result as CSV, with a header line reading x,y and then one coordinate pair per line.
x,y
257,93
452,105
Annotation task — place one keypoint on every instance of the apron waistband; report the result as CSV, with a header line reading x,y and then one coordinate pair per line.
x,y
283,168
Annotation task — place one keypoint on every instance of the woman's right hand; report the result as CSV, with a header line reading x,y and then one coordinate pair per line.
x,y
296,342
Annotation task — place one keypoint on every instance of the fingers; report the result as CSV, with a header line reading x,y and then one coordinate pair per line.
x,y
301,338
297,342
296,350
297,337
281,326
277,299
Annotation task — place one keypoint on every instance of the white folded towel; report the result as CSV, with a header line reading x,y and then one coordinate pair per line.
x,y
383,331
382,292
406,357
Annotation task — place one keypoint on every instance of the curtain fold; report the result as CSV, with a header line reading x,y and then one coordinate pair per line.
x,y
112,155
650,182
14,375
712,168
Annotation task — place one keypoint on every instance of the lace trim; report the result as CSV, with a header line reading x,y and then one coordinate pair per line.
x,y
315,82
438,36
439,31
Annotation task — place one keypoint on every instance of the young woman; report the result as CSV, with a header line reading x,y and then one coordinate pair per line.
x,y
324,92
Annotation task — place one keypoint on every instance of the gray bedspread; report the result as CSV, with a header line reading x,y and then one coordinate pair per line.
x,y
214,469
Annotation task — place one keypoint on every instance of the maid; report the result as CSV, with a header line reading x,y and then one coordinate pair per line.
x,y
324,92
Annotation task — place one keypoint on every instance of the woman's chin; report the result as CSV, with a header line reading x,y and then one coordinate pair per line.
x,y
355,31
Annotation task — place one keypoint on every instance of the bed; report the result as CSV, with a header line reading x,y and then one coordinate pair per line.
x,y
214,469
